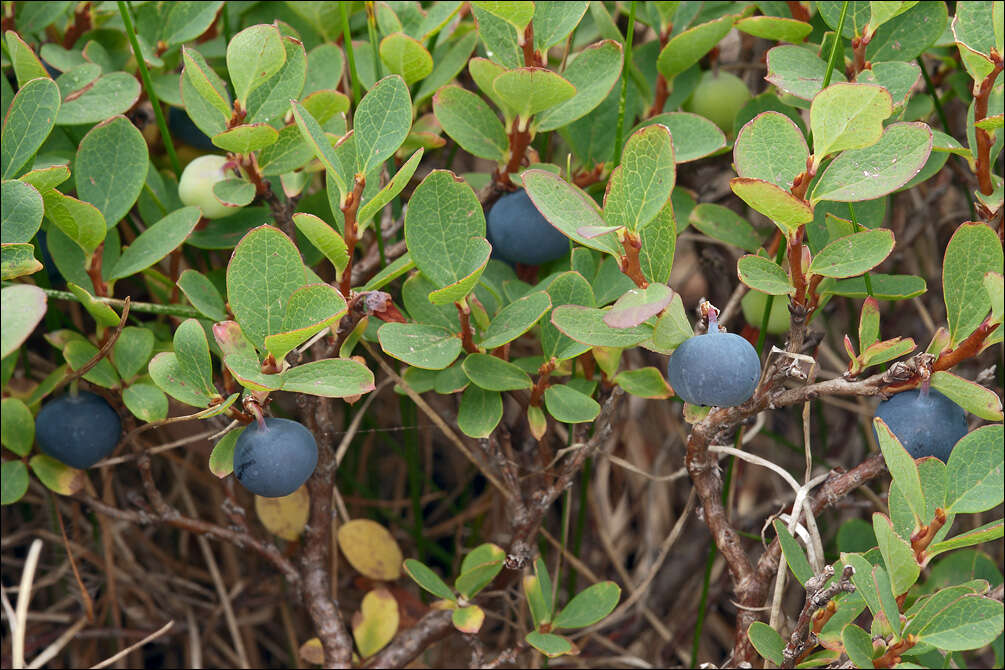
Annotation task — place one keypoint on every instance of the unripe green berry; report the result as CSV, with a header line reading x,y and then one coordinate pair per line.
x,y
753,305
196,186
718,97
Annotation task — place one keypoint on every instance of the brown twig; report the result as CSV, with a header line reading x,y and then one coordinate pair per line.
x,y
817,597
315,560
467,332
892,655
411,642
351,234
105,349
630,262
924,535
966,349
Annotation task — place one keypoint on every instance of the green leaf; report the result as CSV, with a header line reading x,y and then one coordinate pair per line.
x,y
884,287
391,189
445,232
78,352
858,645
770,147
515,319
56,476
641,185
501,39
974,471
686,48
246,138
204,82
866,174
550,644
110,94
971,622
263,273
645,382
468,619
995,286
723,224
553,21
971,253
381,122
517,14
902,467
330,378
111,167
987,533
23,306
904,37
427,579
494,374
25,63
468,121
186,21
82,222
102,313
17,426
593,72
192,353
896,77
854,254
309,310
253,56
586,325
768,642
478,570
775,28
971,396
221,459
795,557
420,345
899,559
270,101
449,58
405,56
315,137
638,305
27,123
22,209
132,350
848,116
567,208
784,209
18,260
589,606
203,295
530,90
325,238
146,402
568,288
156,242
234,192
480,412
568,405
673,328
169,375
762,274
13,481
798,71
694,136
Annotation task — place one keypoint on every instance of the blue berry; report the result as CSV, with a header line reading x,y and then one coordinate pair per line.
x,y
926,426
276,460
78,430
519,234
715,369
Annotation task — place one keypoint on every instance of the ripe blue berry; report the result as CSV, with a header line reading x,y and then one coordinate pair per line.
x,y
519,234
716,369
926,424
78,430
276,460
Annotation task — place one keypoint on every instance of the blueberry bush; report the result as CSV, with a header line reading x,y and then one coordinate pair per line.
x,y
618,334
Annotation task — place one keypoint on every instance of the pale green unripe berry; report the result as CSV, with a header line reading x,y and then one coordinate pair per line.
x,y
753,305
196,186
718,97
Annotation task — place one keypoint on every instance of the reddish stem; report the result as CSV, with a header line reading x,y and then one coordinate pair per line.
x,y
630,264
94,272
984,140
924,536
968,348
795,251
351,235
464,312
544,372
662,85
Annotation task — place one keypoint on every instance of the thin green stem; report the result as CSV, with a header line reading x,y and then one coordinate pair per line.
x,y
148,86
349,55
147,307
225,19
703,604
371,29
761,336
626,68
834,47
580,528
859,227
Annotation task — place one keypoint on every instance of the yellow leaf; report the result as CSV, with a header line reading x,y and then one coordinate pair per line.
x,y
376,623
284,517
370,549
312,652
